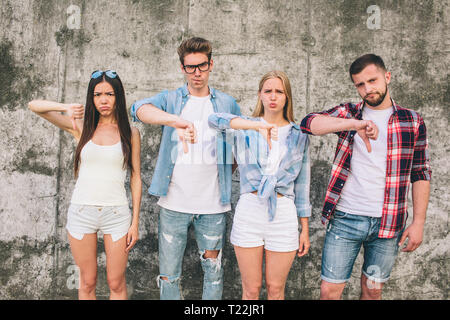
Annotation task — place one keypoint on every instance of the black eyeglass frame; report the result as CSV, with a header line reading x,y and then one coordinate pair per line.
x,y
208,63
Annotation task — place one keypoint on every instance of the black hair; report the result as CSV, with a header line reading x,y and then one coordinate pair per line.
x,y
359,64
91,117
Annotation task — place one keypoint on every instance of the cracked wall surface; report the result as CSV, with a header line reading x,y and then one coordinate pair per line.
x,y
48,50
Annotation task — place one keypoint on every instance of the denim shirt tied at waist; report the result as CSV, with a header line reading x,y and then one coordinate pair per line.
x,y
292,178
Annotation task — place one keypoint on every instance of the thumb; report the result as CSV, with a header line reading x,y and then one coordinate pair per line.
x,y
403,238
367,143
74,123
274,133
185,146
129,238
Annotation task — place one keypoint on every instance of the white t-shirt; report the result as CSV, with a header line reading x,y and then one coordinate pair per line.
x,y
194,187
278,150
363,192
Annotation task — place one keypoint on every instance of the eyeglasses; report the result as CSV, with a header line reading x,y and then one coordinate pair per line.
x,y
109,73
202,67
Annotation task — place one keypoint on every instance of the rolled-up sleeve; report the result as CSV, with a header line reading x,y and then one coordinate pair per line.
x,y
236,109
421,169
302,185
305,125
159,101
340,111
221,121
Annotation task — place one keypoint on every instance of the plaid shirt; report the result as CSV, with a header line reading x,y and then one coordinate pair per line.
x,y
250,149
407,161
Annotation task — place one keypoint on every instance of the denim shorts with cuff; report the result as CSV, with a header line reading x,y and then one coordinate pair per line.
x,y
345,235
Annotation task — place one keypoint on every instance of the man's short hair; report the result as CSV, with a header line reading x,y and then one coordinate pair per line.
x,y
194,45
359,64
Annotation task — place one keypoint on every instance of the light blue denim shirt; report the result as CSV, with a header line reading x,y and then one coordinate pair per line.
x,y
250,148
173,102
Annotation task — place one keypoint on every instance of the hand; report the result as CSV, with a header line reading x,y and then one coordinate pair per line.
x,y
303,244
75,111
186,133
414,233
132,237
367,129
268,131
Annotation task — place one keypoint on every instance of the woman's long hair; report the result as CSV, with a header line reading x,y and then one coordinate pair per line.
x,y
91,117
288,110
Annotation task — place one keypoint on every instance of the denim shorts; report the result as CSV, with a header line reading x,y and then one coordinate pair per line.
x,y
85,219
345,235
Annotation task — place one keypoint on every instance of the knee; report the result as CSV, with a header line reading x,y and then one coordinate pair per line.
x,y
251,291
211,261
331,291
370,290
117,284
275,291
88,283
211,254
370,293
167,280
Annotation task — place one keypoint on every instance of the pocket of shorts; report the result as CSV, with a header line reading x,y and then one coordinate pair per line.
x,y
122,210
75,208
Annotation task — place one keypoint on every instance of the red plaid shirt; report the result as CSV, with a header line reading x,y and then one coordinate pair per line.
x,y
407,161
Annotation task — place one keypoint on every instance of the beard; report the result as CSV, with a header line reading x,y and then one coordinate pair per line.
x,y
377,101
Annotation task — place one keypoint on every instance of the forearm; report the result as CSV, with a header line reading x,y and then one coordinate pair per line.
x,y
43,106
136,195
150,114
304,224
321,125
244,124
420,197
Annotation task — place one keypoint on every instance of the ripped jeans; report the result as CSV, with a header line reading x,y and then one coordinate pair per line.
x,y
172,237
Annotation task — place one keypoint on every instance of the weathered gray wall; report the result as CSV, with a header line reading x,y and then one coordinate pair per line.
x,y
42,56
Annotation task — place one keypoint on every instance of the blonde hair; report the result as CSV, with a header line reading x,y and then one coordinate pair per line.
x,y
288,110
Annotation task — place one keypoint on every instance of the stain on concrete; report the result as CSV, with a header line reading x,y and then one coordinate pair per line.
x,y
30,163
24,268
18,81
320,173
63,35
8,75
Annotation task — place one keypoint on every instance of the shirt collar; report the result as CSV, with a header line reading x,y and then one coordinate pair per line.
x,y
185,91
360,106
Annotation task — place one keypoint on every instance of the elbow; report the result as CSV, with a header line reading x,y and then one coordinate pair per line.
x,y
309,125
316,128
31,105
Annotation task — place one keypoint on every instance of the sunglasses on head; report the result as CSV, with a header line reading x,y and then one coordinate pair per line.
x,y
109,73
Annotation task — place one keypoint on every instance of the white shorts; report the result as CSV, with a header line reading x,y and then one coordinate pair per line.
x,y
82,219
252,228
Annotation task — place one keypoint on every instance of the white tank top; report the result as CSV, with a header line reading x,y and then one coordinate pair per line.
x,y
101,176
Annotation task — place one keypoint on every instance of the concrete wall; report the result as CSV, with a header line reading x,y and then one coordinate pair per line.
x,y
49,48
